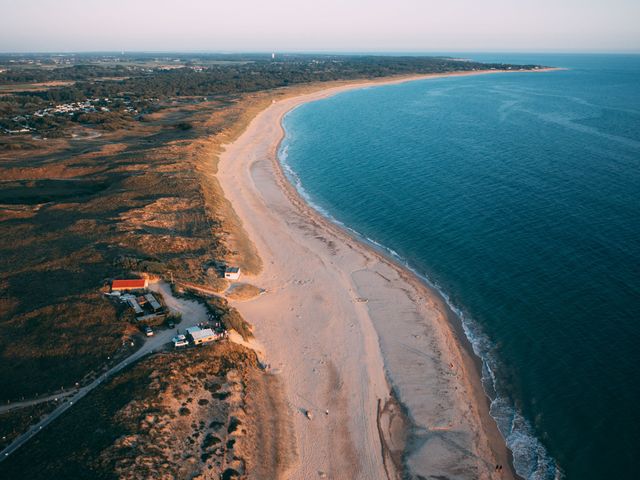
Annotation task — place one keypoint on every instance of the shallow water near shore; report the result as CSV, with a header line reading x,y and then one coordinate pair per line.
x,y
518,196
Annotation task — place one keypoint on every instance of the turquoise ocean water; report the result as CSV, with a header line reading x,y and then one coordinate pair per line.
x,y
518,196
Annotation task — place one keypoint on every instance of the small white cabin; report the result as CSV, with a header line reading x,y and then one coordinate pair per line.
x,y
232,273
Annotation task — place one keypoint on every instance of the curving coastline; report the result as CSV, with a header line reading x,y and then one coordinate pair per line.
x,y
352,332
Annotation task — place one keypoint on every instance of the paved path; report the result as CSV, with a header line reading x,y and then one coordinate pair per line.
x,y
34,401
192,313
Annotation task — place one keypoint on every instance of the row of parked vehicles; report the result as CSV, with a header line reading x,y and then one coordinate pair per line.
x,y
196,335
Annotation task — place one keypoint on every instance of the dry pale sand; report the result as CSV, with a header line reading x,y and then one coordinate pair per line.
x,y
343,327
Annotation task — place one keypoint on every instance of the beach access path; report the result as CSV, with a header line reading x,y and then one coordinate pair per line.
x,y
342,326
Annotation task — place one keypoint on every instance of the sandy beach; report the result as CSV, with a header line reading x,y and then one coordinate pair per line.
x,y
362,344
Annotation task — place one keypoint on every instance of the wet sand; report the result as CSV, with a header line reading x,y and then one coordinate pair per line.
x,y
350,332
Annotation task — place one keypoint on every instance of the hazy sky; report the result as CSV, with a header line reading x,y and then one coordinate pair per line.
x,y
320,25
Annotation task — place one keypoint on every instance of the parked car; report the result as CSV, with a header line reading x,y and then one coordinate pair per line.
x,y
179,341
148,331
171,324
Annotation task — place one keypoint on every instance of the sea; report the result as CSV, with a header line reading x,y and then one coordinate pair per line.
x,y
518,197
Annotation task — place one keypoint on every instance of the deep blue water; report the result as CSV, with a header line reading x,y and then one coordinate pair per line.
x,y
518,195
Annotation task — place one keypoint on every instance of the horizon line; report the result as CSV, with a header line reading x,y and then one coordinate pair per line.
x,y
326,52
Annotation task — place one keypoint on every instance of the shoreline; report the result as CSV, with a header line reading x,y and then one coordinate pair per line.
x,y
459,410
472,363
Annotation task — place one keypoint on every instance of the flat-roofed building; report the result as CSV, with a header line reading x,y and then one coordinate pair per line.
x,y
136,307
203,336
232,273
155,305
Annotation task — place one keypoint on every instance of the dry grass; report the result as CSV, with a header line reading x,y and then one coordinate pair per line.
x,y
69,211
198,412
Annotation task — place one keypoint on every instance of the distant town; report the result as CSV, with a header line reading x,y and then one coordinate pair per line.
x,y
47,95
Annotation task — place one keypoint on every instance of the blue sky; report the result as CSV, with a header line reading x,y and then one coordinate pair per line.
x,y
322,25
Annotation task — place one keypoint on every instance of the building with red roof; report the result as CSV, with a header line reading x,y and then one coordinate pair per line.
x,y
133,284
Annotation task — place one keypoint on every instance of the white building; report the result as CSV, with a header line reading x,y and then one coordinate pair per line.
x,y
232,273
204,336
